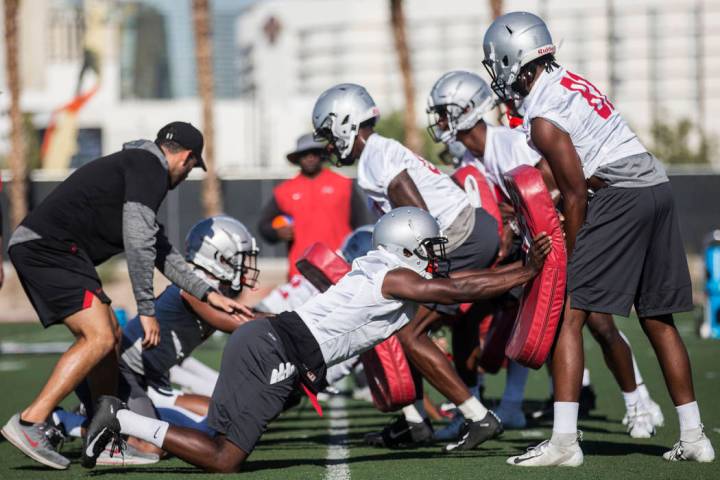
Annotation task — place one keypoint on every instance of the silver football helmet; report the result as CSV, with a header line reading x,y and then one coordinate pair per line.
x,y
224,248
414,236
337,116
357,243
512,41
459,99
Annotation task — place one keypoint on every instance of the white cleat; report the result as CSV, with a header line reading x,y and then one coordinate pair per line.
x,y
548,454
656,415
699,450
639,423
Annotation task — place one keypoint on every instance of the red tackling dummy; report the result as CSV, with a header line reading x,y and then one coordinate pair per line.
x,y
473,181
387,370
543,297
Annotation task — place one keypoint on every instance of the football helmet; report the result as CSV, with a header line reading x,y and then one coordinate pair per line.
x,y
358,243
512,41
460,99
337,116
414,236
224,248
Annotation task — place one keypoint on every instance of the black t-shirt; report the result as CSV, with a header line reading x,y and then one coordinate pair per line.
x,y
87,208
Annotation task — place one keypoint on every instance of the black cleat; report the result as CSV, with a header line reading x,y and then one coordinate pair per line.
x,y
103,428
475,433
401,433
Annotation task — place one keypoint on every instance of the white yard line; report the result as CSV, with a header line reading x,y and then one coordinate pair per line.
x,y
337,454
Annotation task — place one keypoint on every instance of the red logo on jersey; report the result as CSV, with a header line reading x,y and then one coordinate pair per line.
x,y
429,165
590,93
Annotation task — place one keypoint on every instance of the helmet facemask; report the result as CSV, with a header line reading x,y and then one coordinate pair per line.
x,y
340,138
457,118
432,250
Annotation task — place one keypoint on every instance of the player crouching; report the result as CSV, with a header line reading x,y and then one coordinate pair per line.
x,y
263,357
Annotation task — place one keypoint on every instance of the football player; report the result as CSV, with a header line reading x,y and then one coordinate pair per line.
x,y
393,176
456,106
623,238
263,357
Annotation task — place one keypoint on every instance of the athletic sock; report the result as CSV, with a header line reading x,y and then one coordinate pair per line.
x,y
473,410
413,414
71,422
689,416
631,398
586,378
145,428
636,370
515,384
566,415
643,391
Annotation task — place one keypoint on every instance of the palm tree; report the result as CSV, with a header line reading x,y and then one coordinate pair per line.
x,y
211,193
16,158
496,7
397,19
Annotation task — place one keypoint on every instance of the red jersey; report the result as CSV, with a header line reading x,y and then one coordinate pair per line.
x,y
320,209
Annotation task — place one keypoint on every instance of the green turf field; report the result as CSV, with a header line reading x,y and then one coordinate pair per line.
x,y
300,445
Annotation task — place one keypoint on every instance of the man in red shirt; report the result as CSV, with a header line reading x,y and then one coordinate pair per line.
x,y
323,206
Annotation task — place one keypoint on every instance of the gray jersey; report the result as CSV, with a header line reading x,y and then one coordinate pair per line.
x,y
181,331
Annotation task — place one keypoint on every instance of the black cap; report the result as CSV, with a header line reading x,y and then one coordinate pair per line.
x,y
185,135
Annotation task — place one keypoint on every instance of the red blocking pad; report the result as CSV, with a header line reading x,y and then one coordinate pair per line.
x,y
473,181
388,374
543,297
492,357
322,266
387,369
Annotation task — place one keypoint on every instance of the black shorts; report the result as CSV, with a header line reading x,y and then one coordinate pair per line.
x,y
630,252
256,379
58,278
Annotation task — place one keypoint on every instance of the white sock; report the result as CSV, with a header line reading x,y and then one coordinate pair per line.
x,y
71,422
412,414
473,410
643,391
631,398
689,416
515,383
566,415
638,377
586,378
145,428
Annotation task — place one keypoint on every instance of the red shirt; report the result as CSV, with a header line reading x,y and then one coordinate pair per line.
x,y
320,209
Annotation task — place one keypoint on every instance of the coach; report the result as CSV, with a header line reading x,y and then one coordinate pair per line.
x,y
104,208
323,205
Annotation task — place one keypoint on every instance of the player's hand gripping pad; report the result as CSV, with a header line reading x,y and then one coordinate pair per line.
x,y
477,188
492,357
389,376
321,266
386,367
543,297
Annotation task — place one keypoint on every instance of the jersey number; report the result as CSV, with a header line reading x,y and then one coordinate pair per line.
x,y
429,165
590,93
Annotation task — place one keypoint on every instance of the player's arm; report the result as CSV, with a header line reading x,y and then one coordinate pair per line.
x,y
497,269
402,192
218,319
557,148
406,284
269,212
549,180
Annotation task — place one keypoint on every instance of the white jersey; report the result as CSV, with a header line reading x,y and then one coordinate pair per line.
x,y
505,149
574,105
353,316
383,159
288,296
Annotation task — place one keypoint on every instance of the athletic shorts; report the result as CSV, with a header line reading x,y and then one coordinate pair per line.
x,y
256,379
58,278
630,252
477,252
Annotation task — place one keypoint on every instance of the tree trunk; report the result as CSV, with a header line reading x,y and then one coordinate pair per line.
x,y
16,158
496,7
211,193
397,17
